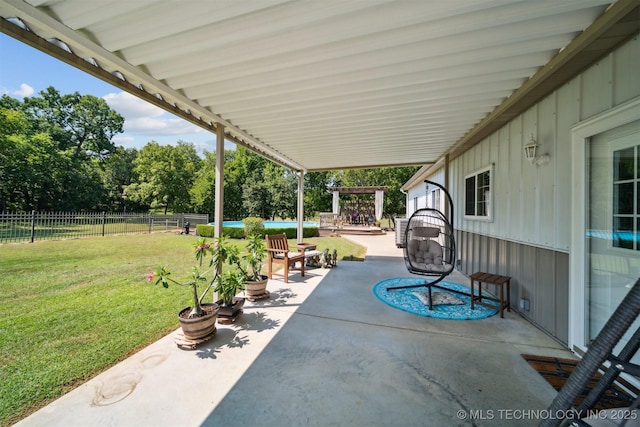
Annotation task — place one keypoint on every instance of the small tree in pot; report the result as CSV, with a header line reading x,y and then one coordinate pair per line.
x,y
227,283
229,272
254,258
198,320
246,268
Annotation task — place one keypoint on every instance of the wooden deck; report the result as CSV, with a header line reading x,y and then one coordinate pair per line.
x,y
351,229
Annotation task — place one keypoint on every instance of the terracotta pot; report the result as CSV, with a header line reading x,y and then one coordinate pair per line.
x,y
199,327
256,288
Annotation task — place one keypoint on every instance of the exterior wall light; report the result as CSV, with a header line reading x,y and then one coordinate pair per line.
x,y
530,153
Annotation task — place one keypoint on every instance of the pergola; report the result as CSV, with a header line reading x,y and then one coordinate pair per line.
x,y
331,84
378,193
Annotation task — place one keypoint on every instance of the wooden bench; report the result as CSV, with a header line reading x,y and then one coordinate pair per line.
x,y
491,279
278,252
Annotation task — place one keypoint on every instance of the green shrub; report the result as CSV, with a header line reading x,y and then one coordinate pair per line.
x,y
205,230
310,232
233,232
239,233
253,225
292,232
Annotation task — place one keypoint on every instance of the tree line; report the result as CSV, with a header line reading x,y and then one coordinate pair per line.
x,y
57,154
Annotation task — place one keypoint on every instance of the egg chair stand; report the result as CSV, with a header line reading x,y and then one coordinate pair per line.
x,y
429,246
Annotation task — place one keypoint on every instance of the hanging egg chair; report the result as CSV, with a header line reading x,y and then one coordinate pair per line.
x,y
429,243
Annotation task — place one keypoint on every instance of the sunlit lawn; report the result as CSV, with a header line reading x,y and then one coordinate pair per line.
x,y
70,309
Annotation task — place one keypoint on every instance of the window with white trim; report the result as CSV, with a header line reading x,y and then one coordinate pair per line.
x,y
626,200
477,195
435,199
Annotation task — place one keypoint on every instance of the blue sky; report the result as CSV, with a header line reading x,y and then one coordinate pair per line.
x,y
25,71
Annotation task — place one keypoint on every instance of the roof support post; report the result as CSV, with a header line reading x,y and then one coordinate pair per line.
x,y
336,202
300,206
446,185
219,184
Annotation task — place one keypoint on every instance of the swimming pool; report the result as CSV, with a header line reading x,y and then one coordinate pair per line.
x,y
268,224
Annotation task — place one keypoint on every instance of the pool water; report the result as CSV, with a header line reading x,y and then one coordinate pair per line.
x,y
268,224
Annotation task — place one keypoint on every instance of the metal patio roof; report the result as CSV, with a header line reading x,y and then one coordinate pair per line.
x,y
332,84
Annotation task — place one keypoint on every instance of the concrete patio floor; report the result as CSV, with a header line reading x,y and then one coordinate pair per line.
x,y
324,351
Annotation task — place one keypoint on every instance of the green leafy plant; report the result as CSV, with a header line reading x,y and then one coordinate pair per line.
x,y
253,225
225,283
254,258
230,282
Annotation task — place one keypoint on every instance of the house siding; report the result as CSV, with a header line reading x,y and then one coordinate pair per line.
x,y
529,234
545,287
420,192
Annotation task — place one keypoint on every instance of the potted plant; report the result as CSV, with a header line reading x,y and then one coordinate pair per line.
x,y
227,284
229,272
199,320
248,268
255,281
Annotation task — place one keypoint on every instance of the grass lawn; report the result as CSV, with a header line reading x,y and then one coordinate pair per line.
x,y
73,308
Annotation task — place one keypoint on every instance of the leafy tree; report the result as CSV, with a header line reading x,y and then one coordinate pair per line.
x,y
242,173
256,198
282,187
30,165
9,103
117,173
316,197
203,190
56,146
80,188
82,124
166,173
57,153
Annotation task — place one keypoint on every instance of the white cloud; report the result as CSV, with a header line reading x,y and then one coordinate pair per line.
x,y
130,106
146,119
159,126
123,140
25,90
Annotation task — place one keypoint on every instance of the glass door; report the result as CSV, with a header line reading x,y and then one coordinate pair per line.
x,y
613,224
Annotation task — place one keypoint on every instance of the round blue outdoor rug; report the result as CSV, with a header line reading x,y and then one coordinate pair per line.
x,y
412,300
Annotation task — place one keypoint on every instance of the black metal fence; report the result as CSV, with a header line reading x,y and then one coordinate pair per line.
x,y
32,226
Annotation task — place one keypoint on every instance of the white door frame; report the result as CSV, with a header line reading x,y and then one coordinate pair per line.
x,y
580,134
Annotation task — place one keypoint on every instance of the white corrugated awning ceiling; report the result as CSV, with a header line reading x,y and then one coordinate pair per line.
x,y
330,84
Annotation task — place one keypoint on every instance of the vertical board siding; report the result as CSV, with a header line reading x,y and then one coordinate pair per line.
x,y
492,254
531,203
527,277
567,101
546,178
537,274
626,69
544,289
596,91
561,280
514,196
531,218
502,264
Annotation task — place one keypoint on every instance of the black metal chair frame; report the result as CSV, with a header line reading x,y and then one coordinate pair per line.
x,y
450,248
